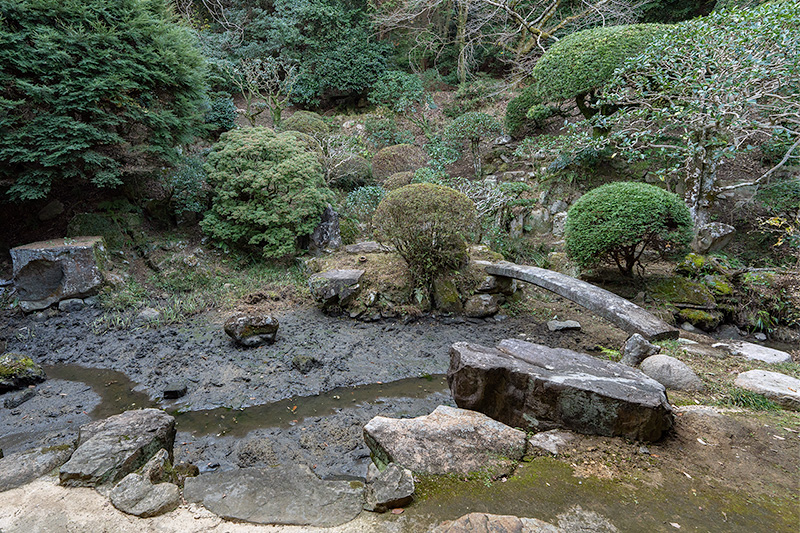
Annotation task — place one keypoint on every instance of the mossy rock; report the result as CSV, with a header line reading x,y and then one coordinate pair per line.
x,y
694,265
306,122
446,297
397,158
397,180
704,320
17,371
97,224
678,291
719,285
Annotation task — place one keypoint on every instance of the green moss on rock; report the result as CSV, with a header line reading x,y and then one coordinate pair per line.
x,y
679,290
701,319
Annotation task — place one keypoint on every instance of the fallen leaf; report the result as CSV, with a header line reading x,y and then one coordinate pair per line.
x,y
398,511
676,526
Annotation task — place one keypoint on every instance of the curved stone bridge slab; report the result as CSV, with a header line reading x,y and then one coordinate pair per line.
x,y
617,310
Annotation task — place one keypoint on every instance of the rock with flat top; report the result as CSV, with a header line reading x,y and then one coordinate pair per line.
x,y
755,352
252,330
335,287
563,325
538,388
780,388
110,449
366,247
449,440
290,495
20,468
490,523
47,272
136,495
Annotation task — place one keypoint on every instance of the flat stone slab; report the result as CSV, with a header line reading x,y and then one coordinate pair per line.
x,y
538,388
290,495
780,388
447,441
754,352
367,247
335,287
617,310
47,272
23,467
490,523
110,449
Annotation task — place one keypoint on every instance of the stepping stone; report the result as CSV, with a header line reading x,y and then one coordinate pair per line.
x,y
538,388
290,495
566,325
20,468
754,352
447,441
780,388
110,449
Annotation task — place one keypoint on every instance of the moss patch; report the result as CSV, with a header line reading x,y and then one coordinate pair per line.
x,y
679,290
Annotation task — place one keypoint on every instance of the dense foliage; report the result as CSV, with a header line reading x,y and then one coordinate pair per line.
x,y
709,89
617,222
269,192
582,62
403,94
91,89
473,127
428,225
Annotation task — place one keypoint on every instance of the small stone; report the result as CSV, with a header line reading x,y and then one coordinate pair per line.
x,y
390,489
72,304
18,371
760,336
755,352
482,305
175,389
566,325
636,349
149,315
553,441
136,495
252,330
688,327
14,400
305,363
559,223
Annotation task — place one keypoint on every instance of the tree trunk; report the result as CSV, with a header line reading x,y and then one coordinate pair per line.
x,y
461,38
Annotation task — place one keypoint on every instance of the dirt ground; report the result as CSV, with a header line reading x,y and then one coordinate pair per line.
x,y
757,454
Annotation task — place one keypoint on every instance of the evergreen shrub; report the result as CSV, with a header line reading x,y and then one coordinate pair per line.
x,y
306,122
398,158
269,192
428,225
91,89
617,222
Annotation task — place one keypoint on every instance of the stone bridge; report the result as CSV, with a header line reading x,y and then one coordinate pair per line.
x,y
617,310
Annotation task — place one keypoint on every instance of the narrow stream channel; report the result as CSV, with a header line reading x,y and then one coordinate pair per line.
x,y
117,395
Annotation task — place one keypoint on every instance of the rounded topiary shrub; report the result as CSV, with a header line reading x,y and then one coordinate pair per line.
x,y
428,225
516,120
306,122
397,158
269,191
348,171
397,180
617,222
473,127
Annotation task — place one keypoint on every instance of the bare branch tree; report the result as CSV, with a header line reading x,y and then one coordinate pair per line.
x,y
265,84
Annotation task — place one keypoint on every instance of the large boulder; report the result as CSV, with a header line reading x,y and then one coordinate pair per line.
x,y
291,495
252,330
712,237
672,373
20,468
449,440
482,305
18,371
110,449
335,287
327,235
780,388
535,387
50,271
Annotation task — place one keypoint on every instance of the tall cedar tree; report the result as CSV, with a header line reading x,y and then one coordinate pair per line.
x,y
91,89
